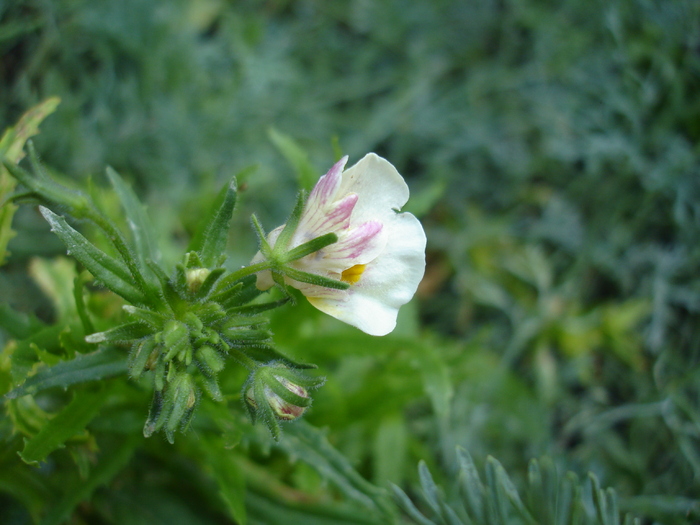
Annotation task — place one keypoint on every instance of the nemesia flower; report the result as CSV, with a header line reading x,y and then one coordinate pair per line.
x,y
380,252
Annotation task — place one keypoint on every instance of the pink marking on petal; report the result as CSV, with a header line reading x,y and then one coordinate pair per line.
x,y
357,242
321,221
327,185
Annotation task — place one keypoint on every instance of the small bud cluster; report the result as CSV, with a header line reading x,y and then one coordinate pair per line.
x,y
184,348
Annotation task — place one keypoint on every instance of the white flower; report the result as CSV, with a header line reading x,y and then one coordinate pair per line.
x,y
380,252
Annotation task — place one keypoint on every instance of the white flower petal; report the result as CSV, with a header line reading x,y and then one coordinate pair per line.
x,y
387,283
379,187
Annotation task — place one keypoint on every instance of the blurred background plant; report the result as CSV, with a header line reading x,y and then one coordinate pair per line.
x,y
552,153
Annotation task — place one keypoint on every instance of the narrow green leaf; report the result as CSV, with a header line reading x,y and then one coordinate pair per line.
x,y
216,232
310,445
111,272
408,506
472,488
121,334
140,225
106,362
151,318
67,423
430,490
297,158
508,489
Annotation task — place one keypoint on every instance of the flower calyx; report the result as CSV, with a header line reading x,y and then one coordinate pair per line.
x,y
278,392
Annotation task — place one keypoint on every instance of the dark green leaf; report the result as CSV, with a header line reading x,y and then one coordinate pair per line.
x,y
110,272
67,423
106,362
216,233
137,220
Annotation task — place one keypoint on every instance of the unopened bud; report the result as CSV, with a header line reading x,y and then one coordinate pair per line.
x,y
195,277
282,409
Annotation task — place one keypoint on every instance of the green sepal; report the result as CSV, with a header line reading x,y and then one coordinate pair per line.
x,y
264,409
151,318
105,362
175,338
254,309
265,248
209,313
312,278
154,412
181,398
216,233
159,374
310,247
109,271
286,394
180,280
120,334
294,376
211,387
208,284
238,321
192,260
237,337
140,355
210,359
289,228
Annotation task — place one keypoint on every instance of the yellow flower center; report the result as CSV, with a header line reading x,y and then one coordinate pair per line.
x,y
353,274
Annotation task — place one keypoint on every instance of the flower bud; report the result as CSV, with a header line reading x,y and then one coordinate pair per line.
x,y
195,277
282,409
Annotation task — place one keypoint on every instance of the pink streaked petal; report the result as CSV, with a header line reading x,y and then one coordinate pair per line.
x,y
319,221
327,186
358,246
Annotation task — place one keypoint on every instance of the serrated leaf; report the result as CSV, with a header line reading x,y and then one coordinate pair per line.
x,y
109,271
11,148
106,362
64,425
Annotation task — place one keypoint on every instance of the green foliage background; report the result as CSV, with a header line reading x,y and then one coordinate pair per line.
x,y
552,153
